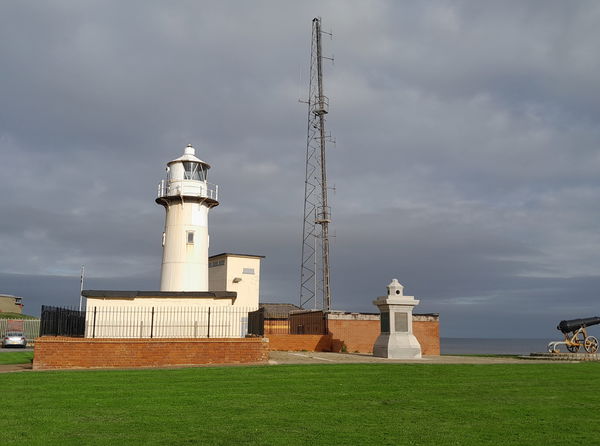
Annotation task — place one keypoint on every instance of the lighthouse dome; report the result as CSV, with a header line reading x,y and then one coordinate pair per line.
x,y
187,176
189,154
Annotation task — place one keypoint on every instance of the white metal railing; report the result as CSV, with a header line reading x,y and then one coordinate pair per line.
x,y
167,322
193,188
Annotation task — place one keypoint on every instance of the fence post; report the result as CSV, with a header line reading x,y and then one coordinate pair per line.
x,y
59,322
208,328
94,325
152,324
41,333
261,322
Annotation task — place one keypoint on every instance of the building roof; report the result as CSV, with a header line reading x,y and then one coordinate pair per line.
x,y
225,254
278,310
117,294
9,296
189,154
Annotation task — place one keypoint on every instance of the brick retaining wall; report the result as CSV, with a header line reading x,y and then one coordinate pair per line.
x,y
357,334
360,335
428,335
299,342
353,335
69,353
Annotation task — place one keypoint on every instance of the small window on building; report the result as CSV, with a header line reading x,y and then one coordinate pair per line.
x,y
190,237
248,271
216,263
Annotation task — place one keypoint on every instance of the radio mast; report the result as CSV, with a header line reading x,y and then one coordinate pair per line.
x,y
314,271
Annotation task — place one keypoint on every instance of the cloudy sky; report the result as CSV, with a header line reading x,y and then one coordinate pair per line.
x,y
467,162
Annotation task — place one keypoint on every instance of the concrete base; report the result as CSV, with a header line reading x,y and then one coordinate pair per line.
x,y
397,346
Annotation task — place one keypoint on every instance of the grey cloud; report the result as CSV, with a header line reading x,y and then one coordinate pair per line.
x,y
466,159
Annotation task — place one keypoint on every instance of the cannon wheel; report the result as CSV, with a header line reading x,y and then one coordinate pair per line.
x,y
591,344
573,348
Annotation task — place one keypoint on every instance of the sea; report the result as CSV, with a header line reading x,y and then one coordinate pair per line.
x,y
476,346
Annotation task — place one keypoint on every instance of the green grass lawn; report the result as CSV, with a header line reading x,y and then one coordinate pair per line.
x,y
16,316
16,357
381,404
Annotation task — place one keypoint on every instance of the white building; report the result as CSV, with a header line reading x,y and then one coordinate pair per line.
x,y
187,197
239,273
191,284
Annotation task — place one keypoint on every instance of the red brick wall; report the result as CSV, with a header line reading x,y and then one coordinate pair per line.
x,y
428,335
360,335
357,335
296,342
70,353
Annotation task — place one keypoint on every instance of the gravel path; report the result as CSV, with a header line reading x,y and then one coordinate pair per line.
x,y
5,368
348,358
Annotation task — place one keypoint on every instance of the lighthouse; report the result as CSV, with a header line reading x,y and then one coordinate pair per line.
x,y
187,197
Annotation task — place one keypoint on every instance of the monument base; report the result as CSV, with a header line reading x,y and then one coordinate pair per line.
x,y
397,346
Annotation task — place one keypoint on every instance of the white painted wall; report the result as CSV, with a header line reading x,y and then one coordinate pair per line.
x,y
223,278
185,265
187,200
158,317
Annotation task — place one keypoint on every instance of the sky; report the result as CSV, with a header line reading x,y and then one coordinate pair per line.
x,y
466,161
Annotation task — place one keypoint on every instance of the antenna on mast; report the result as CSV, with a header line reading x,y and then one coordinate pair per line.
x,y
81,286
314,271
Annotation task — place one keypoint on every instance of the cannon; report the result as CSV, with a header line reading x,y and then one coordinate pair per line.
x,y
574,331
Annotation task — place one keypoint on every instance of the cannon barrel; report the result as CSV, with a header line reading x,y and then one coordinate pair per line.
x,y
575,324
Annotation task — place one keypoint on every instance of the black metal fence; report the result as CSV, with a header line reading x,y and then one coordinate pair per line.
x,y
308,322
261,322
256,322
56,321
177,322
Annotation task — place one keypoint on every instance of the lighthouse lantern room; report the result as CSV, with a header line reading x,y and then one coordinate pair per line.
x,y
187,197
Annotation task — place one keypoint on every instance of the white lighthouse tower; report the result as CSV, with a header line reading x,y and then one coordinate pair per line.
x,y
187,198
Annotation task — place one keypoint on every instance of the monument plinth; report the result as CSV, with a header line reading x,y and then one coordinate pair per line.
x,y
396,339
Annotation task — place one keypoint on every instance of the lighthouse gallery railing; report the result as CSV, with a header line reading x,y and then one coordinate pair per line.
x,y
173,188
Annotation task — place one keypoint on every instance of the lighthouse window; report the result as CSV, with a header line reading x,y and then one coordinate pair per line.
x,y
190,237
194,171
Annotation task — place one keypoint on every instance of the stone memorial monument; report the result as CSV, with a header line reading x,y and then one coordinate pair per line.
x,y
396,339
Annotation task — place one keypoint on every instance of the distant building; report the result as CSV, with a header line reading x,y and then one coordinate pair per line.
x,y
10,304
276,316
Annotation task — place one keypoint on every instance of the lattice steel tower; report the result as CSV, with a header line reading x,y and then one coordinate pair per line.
x,y
314,272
